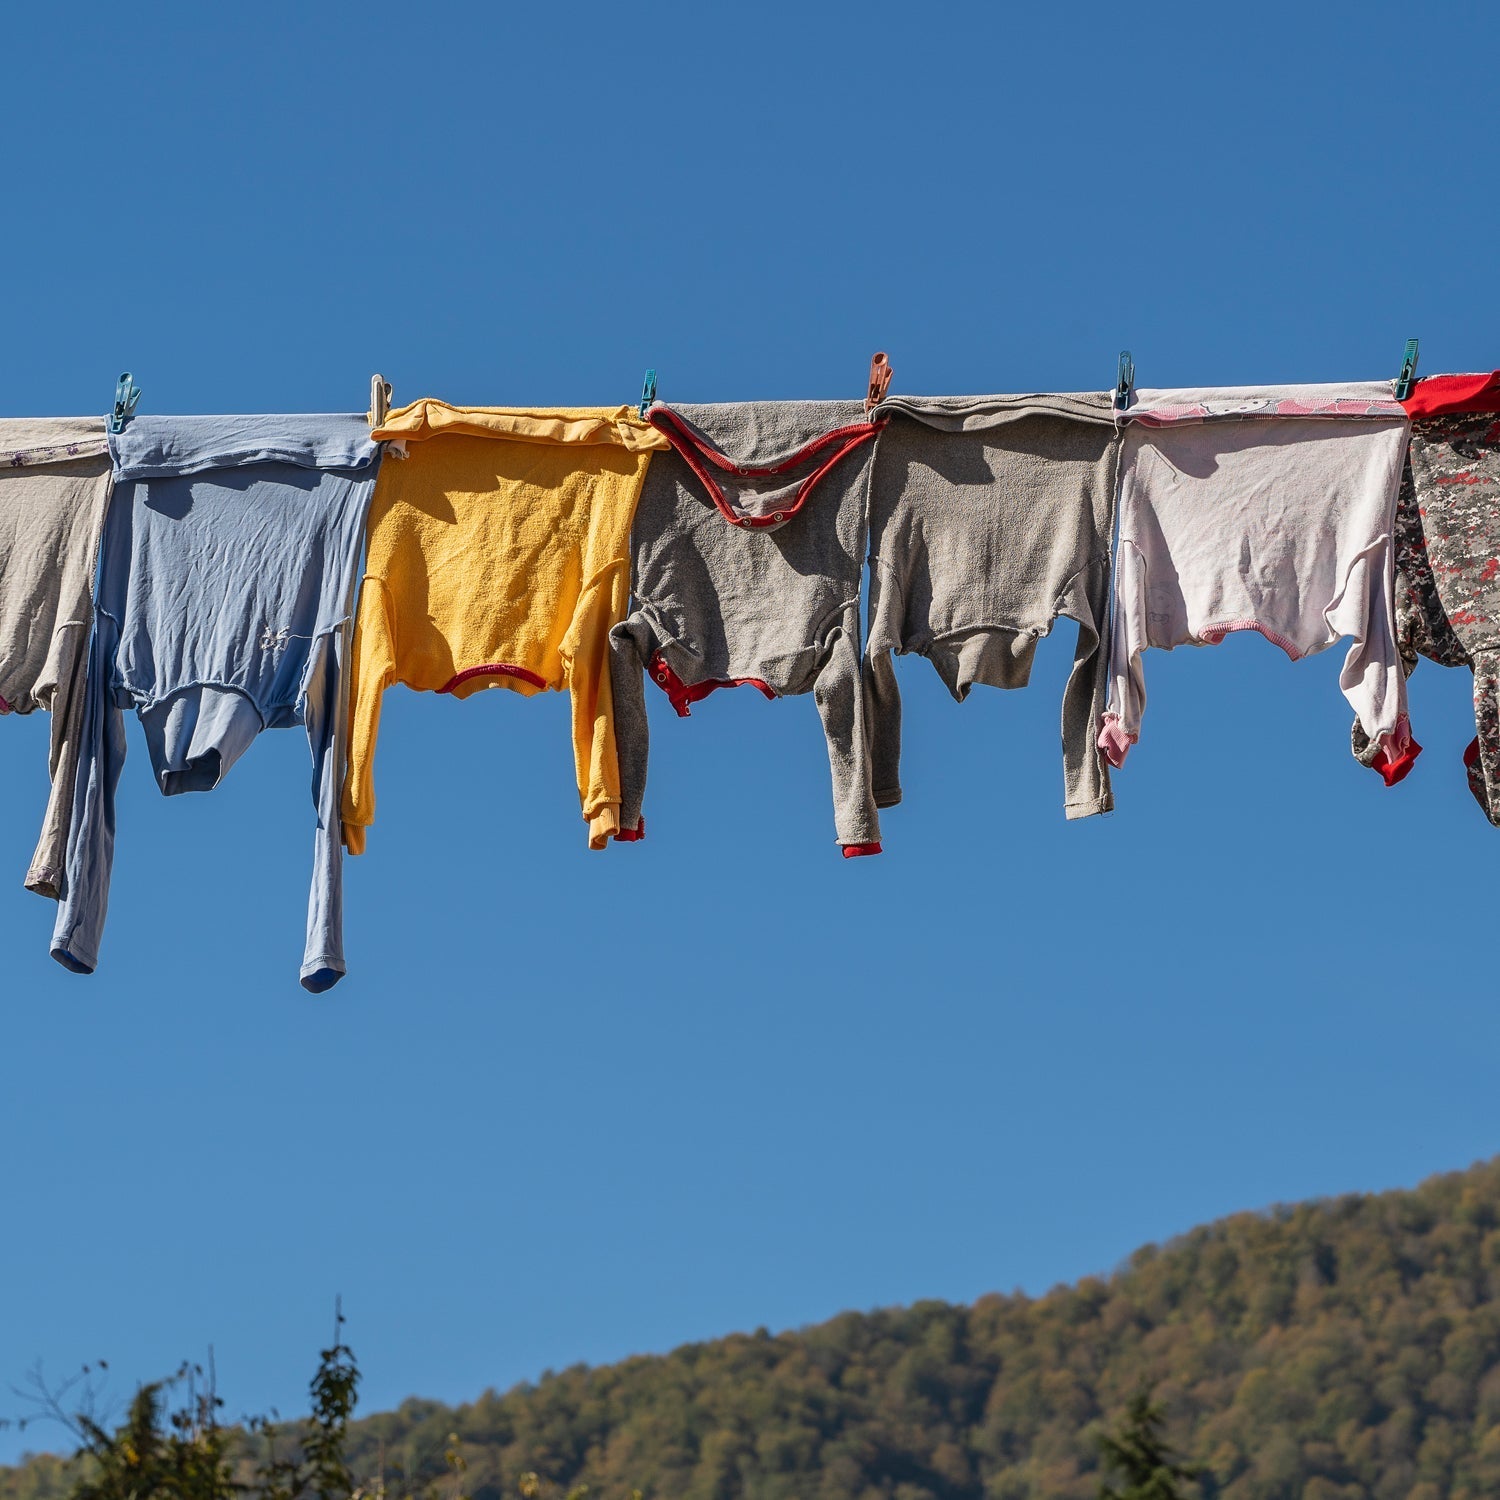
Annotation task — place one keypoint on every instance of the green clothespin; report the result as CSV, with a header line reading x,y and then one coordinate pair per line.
x,y
648,392
127,394
1408,376
1124,381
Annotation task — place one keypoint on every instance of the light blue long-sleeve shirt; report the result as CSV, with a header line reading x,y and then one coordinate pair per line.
x,y
223,607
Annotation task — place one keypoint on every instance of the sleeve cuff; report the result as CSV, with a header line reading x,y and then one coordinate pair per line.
x,y
604,825
1115,740
354,837
1396,752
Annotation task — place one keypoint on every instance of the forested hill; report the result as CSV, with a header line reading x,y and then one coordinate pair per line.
x,y
1333,1350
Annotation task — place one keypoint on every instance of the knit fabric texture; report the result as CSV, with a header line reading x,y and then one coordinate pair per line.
x,y
1448,559
1268,509
54,487
991,518
748,552
498,555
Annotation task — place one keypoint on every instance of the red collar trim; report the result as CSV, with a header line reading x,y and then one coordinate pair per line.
x,y
702,457
493,669
681,695
1448,395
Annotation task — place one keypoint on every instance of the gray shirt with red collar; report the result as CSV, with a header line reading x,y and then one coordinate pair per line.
x,y
748,551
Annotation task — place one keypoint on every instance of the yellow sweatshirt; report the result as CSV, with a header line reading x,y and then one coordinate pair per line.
x,y
498,555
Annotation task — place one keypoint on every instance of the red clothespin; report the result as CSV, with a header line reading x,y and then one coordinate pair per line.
x,y
880,382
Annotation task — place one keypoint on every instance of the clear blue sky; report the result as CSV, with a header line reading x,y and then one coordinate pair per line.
x,y
571,1106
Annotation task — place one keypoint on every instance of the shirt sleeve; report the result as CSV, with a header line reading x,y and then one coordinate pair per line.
x,y
323,712
838,691
1373,678
66,698
89,858
1125,706
586,663
372,669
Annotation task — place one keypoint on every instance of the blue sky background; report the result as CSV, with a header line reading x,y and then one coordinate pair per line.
x,y
571,1106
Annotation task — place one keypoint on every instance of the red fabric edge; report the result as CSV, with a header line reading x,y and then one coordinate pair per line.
x,y
493,669
855,851
1447,395
632,835
681,695
694,451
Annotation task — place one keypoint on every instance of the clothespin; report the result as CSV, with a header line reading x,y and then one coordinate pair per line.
x,y
380,401
880,382
648,392
1408,376
1124,380
127,394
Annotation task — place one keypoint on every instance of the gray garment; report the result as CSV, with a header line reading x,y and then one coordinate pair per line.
x,y
990,517
54,487
754,578
226,586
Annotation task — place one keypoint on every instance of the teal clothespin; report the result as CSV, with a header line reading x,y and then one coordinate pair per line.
x,y
1124,381
648,392
1408,376
127,394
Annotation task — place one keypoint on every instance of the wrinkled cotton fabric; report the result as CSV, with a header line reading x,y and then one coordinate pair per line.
x,y
225,591
748,548
499,556
1448,557
1268,509
54,488
990,519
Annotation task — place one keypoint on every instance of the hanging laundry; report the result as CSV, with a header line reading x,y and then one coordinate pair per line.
x,y
1448,556
499,556
991,518
1267,509
54,487
749,544
224,606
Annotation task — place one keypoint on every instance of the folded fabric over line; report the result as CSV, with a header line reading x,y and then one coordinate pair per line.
x,y
1448,556
990,518
748,552
225,594
499,556
1267,508
54,487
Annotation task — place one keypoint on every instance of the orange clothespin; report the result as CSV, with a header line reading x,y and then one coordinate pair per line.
x,y
880,382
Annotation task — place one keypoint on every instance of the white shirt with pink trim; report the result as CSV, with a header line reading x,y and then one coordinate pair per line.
x,y
1267,508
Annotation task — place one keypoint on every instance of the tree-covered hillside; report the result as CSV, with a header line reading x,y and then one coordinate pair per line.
x,y
1330,1351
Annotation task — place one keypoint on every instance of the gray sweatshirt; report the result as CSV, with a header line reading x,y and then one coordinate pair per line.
x,y
747,552
990,517
54,487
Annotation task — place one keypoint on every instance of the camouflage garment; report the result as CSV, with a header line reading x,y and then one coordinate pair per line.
x,y
1448,574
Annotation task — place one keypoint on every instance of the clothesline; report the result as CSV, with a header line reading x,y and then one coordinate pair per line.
x,y
205,573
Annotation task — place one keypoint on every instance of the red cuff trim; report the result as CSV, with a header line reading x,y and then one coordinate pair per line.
x,y
854,851
493,669
699,455
632,835
681,695
1397,753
